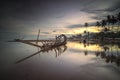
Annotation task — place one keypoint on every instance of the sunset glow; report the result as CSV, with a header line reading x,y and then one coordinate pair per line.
x,y
75,45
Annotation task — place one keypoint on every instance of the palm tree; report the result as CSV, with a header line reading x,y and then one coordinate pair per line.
x,y
108,21
98,24
113,20
118,19
103,24
86,25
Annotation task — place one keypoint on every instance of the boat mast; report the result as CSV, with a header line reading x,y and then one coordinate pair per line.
x,y
38,36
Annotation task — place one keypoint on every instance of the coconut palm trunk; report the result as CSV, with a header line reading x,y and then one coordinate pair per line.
x,y
118,20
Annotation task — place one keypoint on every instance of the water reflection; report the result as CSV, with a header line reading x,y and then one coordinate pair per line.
x,y
109,52
75,61
109,57
58,51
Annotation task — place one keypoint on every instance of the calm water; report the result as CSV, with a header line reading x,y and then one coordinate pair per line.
x,y
73,61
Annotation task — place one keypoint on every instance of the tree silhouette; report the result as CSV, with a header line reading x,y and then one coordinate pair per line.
x,y
118,19
109,21
113,20
86,25
103,23
98,24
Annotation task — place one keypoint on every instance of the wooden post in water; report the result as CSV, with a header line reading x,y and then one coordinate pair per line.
x,y
38,36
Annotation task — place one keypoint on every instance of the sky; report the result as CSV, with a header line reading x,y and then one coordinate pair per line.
x,y
21,18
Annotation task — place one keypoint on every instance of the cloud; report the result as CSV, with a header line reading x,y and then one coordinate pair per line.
x,y
24,15
97,17
75,26
45,32
102,8
80,25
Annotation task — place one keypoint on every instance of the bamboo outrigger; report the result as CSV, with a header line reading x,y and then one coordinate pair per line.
x,y
46,46
59,40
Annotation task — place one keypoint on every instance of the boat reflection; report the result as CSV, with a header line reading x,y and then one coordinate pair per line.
x,y
57,49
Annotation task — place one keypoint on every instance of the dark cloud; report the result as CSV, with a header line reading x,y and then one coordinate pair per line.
x,y
102,8
45,32
80,25
75,26
22,15
97,17
42,9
